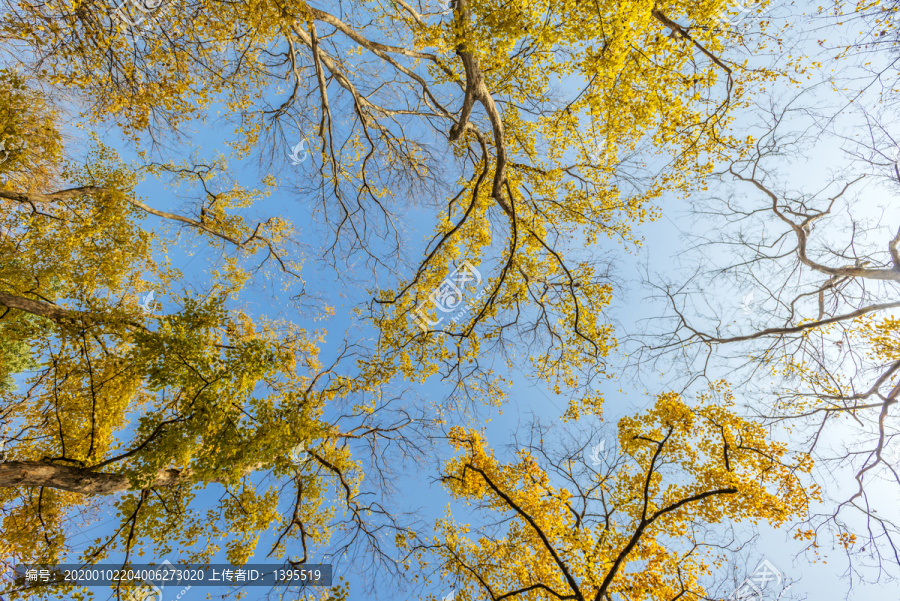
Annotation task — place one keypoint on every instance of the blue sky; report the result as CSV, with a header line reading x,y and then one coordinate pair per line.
x,y
664,244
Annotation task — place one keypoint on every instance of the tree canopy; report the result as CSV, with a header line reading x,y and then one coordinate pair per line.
x,y
473,176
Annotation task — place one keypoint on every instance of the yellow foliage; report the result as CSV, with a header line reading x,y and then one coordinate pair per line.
x,y
629,532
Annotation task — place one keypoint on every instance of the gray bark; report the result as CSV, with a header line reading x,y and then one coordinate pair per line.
x,y
74,479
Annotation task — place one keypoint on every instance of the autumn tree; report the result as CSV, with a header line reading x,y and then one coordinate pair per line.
x,y
810,329
537,129
136,392
637,521
542,133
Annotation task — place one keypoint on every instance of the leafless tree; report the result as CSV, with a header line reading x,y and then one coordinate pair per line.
x,y
791,298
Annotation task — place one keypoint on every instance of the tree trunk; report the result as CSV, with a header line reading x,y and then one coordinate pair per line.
x,y
74,479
